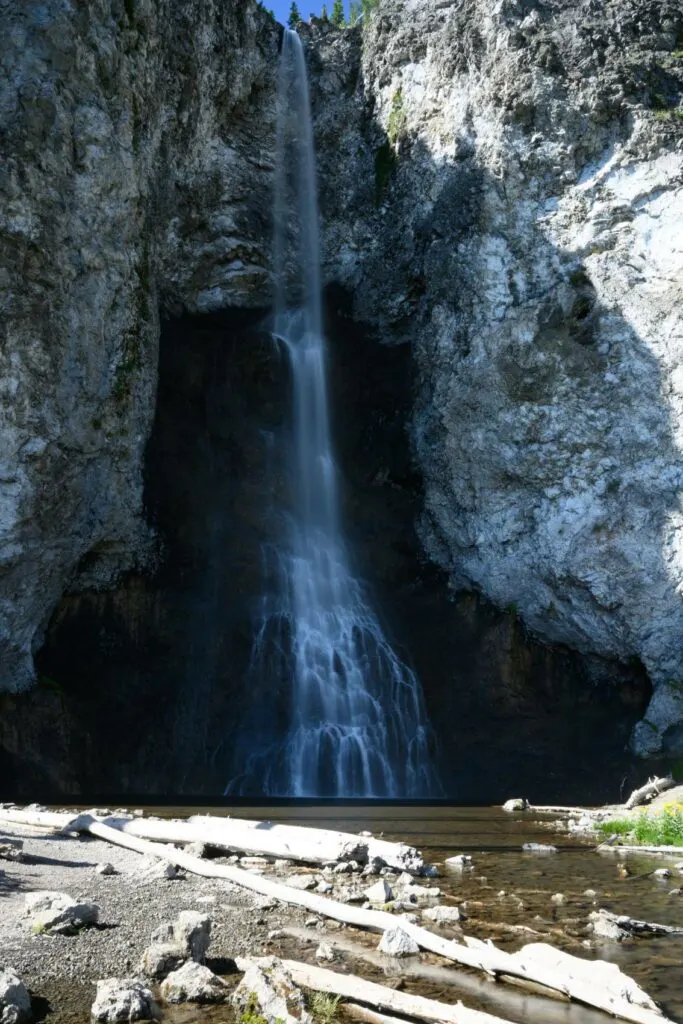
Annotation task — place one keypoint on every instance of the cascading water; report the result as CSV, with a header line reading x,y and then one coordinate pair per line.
x,y
357,724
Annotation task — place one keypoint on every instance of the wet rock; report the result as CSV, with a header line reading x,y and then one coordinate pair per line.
x,y
590,893
124,999
267,989
516,804
443,915
105,869
430,871
459,862
558,898
194,983
604,926
15,1002
421,893
543,848
196,849
662,873
324,887
397,942
380,892
301,881
57,913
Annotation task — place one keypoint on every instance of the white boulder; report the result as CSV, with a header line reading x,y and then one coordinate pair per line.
x,y
397,942
268,990
193,983
124,999
15,1002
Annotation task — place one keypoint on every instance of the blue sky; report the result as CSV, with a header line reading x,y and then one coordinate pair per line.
x,y
306,7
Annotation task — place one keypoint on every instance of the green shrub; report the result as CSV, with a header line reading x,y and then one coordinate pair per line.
x,y
323,1007
664,828
397,118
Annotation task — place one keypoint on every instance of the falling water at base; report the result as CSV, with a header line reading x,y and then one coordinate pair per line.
x,y
357,725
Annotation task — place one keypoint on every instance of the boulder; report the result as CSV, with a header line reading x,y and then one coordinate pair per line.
x,y
193,930
57,913
301,881
15,1002
325,952
11,849
196,850
380,892
193,983
152,868
516,804
397,942
124,999
604,926
267,989
459,862
161,958
105,869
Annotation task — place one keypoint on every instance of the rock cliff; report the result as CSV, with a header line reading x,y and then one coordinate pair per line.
x,y
503,188
137,141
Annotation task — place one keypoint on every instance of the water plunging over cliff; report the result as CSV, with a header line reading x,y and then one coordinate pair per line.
x,y
357,724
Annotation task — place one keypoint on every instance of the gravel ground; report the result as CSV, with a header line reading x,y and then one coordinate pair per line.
x,y
62,969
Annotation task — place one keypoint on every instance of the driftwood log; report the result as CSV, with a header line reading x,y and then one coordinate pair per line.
x,y
349,986
652,788
596,984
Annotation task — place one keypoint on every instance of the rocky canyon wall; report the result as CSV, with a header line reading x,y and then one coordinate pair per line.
x,y
502,187
137,151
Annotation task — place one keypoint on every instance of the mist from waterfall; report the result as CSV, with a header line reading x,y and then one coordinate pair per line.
x,y
357,725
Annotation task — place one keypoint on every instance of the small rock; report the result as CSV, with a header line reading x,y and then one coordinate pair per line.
x,y
152,868
539,848
590,893
324,886
675,892
15,1002
417,893
281,864
12,849
374,866
124,999
516,804
412,918
325,952
301,881
277,933
459,862
430,871
380,892
196,849
605,927
443,915
193,983
365,834
397,942
105,869
558,898
342,868
161,958
254,862
404,879
311,922
265,903
57,913
662,873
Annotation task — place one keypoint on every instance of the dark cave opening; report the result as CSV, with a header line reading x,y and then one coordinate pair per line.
x,y
142,688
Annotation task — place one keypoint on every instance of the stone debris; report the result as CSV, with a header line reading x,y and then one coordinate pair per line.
x,y
459,862
152,868
325,952
161,958
397,942
105,869
418,893
662,873
380,892
186,938
124,999
196,849
543,848
558,898
15,1002
324,887
516,804
618,927
57,913
267,989
193,930
301,881
374,866
194,983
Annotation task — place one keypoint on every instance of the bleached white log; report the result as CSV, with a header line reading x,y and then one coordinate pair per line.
x,y
349,986
596,983
653,787
339,845
364,1013
676,851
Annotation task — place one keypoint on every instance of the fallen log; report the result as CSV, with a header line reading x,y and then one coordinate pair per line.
x,y
653,787
676,851
349,986
593,983
299,837
364,1013
630,925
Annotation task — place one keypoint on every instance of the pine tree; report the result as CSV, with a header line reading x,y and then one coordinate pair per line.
x,y
338,13
354,14
294,16
323,14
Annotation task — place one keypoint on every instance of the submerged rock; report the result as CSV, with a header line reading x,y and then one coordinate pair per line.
x,y
194,983
516,804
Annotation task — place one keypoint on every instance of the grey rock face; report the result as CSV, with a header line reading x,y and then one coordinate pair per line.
x,y
137,142
57,913
503,188
397,942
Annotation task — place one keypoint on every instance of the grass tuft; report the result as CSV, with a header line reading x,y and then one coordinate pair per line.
x,y
665,828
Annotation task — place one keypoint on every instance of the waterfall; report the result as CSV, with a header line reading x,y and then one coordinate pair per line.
x,y
357,725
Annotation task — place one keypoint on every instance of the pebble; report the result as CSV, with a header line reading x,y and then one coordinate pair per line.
x,y
662,873
558,898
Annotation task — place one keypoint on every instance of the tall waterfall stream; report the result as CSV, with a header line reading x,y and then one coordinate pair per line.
x,y
357,722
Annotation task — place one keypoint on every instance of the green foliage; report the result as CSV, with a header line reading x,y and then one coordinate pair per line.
x,y
367,7
355,14
385,165
664,828
324,16
323,1007
250,1014
669,115
338,14
294,15
397,118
